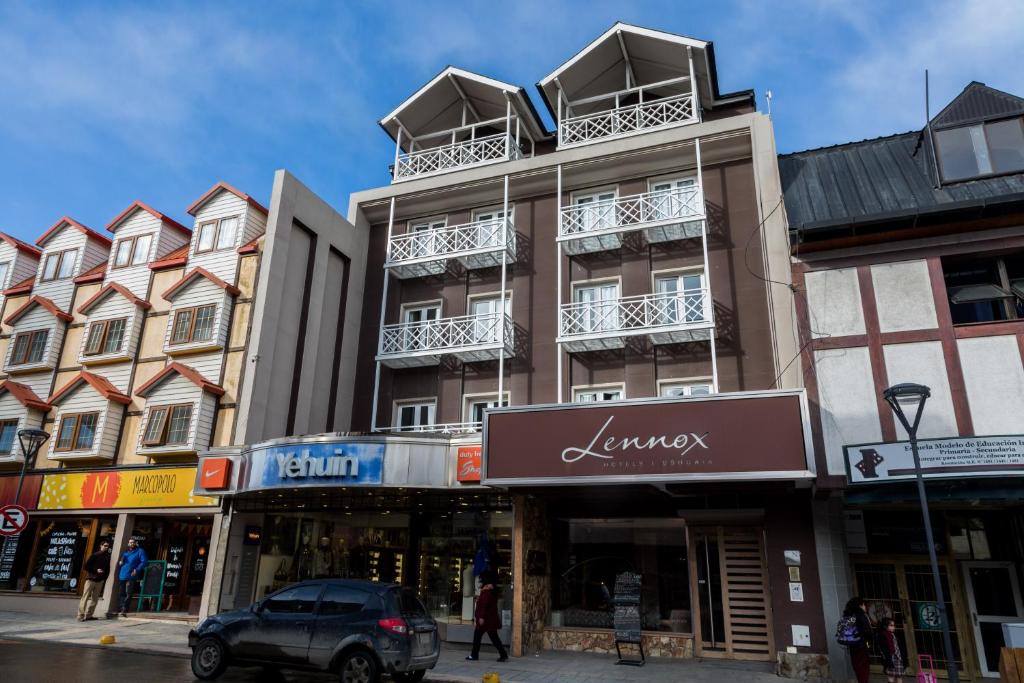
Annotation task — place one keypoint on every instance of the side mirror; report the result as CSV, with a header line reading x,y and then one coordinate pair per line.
x,y
256,607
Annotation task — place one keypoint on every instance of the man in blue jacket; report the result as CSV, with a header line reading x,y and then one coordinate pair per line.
x,y
133,561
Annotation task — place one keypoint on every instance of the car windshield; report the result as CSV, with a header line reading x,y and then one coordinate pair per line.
x,y
410,605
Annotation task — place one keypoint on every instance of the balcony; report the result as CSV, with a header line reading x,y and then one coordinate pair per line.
x,y
455,156
475,245
669,318
663,216
470,338
629,120
449,428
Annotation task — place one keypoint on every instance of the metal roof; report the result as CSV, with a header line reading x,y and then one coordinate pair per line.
x,y
978,102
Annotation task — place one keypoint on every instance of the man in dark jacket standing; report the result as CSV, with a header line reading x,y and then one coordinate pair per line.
x,y
132,563
487,619
97,568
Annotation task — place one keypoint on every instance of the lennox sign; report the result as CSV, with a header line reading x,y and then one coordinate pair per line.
x,y
739,436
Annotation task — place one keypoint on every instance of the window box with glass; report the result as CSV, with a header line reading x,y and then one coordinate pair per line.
x,y
105,337
982,149
216,235
132,251
168,425
28,348
59,265
77,432
8,434
193,325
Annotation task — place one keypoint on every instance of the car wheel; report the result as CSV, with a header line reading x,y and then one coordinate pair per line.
x,y
209,659
409,676
359,667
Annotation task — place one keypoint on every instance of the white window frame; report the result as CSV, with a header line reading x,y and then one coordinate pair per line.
x,y
680,316
671,179
420,306
494,211
688,383
424,244
599,388
594,194
612,323
425,401
490,397
480,332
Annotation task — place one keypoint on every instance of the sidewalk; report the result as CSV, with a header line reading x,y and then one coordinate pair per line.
x,y
170,638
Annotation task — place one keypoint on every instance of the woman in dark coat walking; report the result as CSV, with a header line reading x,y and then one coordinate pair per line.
x,y
487,619
860,658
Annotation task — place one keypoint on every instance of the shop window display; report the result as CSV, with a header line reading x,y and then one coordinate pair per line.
x,y
589,553
60,550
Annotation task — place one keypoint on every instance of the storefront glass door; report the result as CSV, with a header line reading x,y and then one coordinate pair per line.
x,y
993,598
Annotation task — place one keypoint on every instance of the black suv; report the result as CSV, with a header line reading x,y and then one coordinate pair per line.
x,y
358,629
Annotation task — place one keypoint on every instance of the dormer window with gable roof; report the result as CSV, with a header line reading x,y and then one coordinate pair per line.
x,y
132,251
981,149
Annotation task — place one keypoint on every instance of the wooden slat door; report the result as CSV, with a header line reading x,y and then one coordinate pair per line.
x,y
742,575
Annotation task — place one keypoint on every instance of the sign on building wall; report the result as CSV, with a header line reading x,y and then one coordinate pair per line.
x,y
748,436
329,463
975,456
468,465
105,489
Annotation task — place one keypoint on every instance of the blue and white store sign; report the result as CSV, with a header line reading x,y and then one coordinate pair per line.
x,y
327,463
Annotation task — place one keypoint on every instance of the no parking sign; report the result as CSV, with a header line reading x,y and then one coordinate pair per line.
x,y
13,520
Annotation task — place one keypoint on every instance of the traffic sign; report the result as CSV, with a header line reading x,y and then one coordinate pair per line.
x,y
13,520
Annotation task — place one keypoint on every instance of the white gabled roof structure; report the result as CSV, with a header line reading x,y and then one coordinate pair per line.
x,y
456,98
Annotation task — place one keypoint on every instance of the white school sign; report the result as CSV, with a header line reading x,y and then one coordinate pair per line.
x,y
973,456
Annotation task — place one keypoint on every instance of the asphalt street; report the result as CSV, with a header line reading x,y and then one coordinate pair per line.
x,y
41,662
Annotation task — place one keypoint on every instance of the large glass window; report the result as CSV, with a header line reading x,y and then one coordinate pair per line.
x,y
29,347
981,149
984,288
589,553
77,432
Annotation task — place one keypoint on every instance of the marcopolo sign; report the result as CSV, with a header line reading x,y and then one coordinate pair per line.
x,y
149,487
974,456
327,463
752,435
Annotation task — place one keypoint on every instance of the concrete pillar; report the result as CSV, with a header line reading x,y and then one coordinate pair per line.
x,y
210,602
125,525
835,577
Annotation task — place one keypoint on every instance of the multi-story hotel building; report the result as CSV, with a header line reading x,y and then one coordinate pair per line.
x,y
525,287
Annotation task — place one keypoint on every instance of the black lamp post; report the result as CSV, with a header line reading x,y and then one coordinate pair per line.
x,y
907,402
31,440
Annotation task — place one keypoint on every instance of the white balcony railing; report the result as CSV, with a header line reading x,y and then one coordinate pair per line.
x,y
664,215
666,318
500,147
477,245
626,120
468,337
440,428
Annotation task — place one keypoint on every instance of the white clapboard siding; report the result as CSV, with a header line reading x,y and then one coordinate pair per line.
x,y
96,252
175,391
38,318
113,307
201,292
41,383
255,224
224,262
136,277
170,239
11,409
24,267
62,291
85,399
206,364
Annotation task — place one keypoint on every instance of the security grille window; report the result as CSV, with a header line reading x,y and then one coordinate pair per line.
x,y
77,432
168,425
132,251
985,289
587,395
412,416
105,336
8,430
193,324
981,149
677,389
29,347
59,266
216,235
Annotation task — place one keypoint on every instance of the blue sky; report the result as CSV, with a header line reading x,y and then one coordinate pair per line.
x,y
102,103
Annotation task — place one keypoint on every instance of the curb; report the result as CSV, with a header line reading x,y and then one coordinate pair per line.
x,y
134,649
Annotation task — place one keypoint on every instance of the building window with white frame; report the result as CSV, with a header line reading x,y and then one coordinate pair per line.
x,y
676,389
489,313
673,198
423,235
474,406
418,333
679,298
598,394
490,227
414,415
596,307
594,210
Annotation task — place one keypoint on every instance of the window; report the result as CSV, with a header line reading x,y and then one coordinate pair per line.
x,y
418,333
168,425
216,235
487,310
490,226
597,395
105,336
594,211
29,347
680,299
675,389
981,149
76,432
673,198
476,405
424,233
8,430
984,289
59,266
4,268
588,555
297,600
193,324
132,250
597,308
412,416
342,600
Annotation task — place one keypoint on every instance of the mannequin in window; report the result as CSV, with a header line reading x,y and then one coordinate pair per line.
x,y
323,559
304,560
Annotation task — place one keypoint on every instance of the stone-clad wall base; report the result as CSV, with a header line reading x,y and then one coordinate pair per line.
x,y
603,642
803,667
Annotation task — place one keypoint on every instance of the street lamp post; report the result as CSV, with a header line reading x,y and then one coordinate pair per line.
x,y
30,440
909,399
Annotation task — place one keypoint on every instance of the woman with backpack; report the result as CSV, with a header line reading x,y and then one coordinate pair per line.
x,y
854,632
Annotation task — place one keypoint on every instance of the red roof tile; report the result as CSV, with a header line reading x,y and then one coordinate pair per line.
x,y
101,384
174,259
199,272
137,206
94,274
250,247
186,372
66,220
105,291
25,395
23,287
37,300
23,247
208,195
